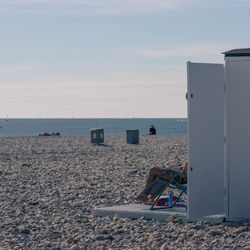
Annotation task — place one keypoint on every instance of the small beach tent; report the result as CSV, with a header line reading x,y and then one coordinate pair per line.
x,y
219,137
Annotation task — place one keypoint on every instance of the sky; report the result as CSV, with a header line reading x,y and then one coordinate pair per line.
x,y
110,58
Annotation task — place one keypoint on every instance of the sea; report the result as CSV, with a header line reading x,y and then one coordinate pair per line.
x,y
81,127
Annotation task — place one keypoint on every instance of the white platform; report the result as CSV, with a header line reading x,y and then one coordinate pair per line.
x,y
136,211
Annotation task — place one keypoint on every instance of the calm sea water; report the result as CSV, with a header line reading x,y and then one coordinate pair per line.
x,y
81,127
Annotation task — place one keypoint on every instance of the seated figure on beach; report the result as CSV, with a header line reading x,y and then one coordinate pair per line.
x,y
152,130
156,172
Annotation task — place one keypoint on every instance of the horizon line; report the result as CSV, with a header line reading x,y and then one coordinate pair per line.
x,y
92,118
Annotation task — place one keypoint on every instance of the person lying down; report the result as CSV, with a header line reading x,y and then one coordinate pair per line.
x,y
156,172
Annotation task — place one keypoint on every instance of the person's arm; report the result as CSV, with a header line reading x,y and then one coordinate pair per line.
x,y
173,168
184,168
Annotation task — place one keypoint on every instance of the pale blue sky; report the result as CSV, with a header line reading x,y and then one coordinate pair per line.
x,y
110,58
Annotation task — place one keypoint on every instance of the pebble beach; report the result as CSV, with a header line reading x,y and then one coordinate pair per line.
x,y
49,185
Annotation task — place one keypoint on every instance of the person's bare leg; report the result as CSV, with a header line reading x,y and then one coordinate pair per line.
x,y
156,172
153,173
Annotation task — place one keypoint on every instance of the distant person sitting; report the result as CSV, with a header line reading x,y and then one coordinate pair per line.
x,y
156,172
48,134
152,130
45,134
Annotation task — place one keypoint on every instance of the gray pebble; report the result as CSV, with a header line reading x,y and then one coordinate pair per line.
x,y
75,247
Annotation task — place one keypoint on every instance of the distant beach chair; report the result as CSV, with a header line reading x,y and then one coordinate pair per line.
x,y
159,185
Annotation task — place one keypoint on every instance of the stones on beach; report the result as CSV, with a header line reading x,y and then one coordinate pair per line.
x,y
48,188
24,231
75,247
55,235
164,247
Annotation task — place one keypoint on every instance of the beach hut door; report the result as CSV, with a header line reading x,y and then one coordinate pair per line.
x,y
205,139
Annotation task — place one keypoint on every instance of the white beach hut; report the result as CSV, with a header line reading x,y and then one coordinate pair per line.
x,y
219,137
218,144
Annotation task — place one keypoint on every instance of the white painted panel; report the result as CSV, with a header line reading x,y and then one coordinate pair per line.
x,y
238,137
205,139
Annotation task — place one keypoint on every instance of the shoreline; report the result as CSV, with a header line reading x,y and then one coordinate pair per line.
x,y
87,136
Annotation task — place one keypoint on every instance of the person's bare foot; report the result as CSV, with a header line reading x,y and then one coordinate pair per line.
x,y
132,197
152,198
143,198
